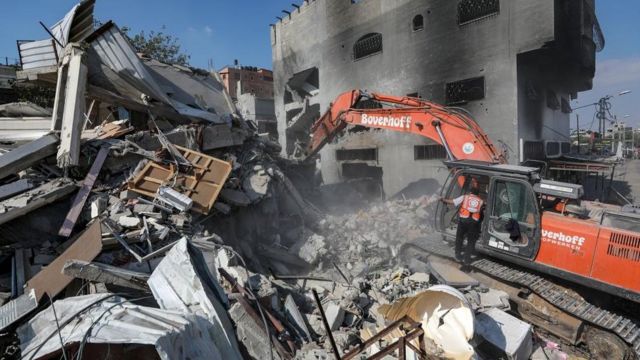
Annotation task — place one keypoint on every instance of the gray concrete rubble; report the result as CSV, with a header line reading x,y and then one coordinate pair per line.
x,y
152,219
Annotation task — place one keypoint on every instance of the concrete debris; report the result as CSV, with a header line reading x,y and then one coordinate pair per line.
x,y
507,337
335,316
107,274
450,275
27,155
251,334
69,104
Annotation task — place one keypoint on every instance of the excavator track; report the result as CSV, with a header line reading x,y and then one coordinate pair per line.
x,y
627,329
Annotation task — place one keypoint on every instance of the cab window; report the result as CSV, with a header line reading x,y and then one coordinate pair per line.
x,y
512,201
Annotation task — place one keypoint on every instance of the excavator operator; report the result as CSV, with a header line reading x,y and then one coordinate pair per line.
x,y
469,221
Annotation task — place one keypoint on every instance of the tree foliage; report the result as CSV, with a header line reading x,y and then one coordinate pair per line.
x,y
40,95
158,45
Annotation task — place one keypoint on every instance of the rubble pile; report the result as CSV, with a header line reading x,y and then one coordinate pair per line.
x,y
152,221
369,239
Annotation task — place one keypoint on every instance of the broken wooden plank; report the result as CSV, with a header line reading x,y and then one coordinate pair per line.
x,y
107,274
83,193
28,154
50,279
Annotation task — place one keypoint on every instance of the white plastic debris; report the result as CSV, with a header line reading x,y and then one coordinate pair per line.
x,y
446,318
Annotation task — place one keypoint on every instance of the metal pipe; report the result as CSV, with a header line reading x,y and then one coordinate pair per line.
x,y
336,353
51,34
436,124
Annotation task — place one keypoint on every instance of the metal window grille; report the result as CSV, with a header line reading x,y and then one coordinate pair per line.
x,y
429,152
473,10
367,45
357,154
462,91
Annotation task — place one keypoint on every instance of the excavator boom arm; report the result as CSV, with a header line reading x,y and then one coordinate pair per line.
x,y
461,136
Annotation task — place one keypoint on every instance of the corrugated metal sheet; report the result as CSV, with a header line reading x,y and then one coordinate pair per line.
x,y
109,319
35,54
114,50
76,26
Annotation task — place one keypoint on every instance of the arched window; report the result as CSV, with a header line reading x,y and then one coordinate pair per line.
x,y
418,22
367,45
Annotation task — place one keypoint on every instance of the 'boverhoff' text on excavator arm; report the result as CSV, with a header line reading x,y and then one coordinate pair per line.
x,y
461,136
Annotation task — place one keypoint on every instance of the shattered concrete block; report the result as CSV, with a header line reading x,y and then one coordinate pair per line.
x,y
178,220
128,195
98,206
419,277
335,316
220,136
312,351
311,249
315,322
261,285
129,221
143,208
506,334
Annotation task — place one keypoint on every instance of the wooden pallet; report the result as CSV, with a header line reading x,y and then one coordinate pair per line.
x,y
202,183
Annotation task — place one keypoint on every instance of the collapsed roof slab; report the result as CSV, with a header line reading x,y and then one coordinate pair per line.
x,y
28,154
34,199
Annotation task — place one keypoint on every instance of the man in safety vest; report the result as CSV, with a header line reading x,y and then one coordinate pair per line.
x,y
469,221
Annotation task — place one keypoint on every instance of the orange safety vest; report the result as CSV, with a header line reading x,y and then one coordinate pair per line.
x,y
471,206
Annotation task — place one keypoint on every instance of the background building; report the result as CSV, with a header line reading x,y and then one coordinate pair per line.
x,y
514,64
252,90
260,111
256,81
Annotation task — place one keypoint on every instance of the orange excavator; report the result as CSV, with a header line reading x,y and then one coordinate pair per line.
x,y
529,222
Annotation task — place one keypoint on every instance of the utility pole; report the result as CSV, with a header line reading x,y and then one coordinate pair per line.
x,y
578,131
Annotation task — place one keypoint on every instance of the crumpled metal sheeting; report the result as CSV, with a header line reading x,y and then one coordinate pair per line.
x,y
175,335
182,282
130,76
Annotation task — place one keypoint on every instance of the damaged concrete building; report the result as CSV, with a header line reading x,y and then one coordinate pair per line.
x,y
252,90
514,65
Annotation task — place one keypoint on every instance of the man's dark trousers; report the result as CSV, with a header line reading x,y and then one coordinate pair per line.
x,y
470,229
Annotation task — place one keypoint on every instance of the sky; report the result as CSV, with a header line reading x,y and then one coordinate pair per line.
x,y
224,30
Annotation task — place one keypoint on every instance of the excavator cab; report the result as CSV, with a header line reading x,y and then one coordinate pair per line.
x,y
511,217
